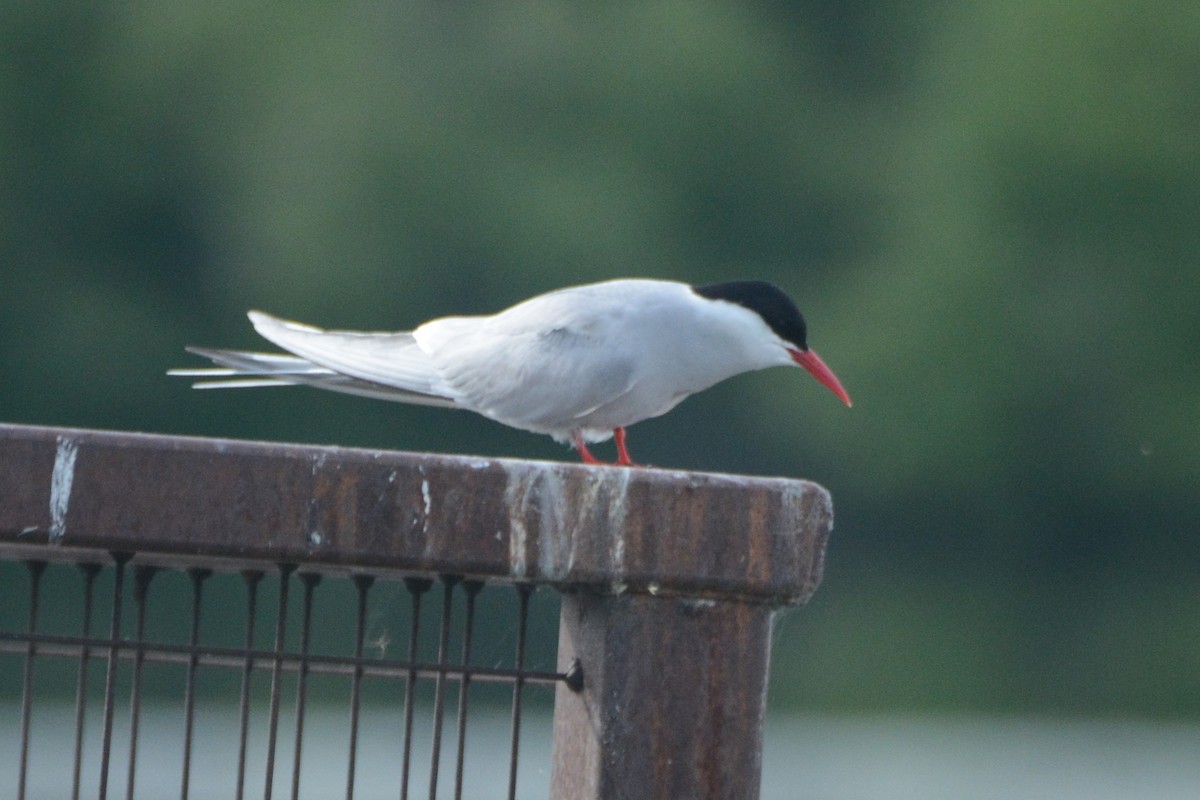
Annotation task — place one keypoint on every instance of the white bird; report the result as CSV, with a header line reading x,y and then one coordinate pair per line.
x,y
581,364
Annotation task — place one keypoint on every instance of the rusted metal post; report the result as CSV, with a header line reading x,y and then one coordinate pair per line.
x,y
674,678
669,578
672,702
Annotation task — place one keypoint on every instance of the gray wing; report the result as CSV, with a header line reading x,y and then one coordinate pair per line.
x,y
389,366
545,380
390,359
239,369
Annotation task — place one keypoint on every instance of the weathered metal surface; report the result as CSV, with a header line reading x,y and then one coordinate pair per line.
x,y
672,701
638,530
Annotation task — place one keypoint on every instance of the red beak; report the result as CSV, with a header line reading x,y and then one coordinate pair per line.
x,y
813,363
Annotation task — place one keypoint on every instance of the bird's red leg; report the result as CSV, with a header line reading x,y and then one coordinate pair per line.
x,y
623,459
581,446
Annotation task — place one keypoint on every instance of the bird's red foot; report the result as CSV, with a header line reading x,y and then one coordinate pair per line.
x,y
582,448
623,459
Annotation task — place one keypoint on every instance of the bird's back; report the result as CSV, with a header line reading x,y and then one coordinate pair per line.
x,y
592,357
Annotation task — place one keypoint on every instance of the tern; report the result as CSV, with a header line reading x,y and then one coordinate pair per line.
x,y
581,364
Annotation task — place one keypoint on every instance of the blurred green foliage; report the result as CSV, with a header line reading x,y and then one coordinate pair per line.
x,y
990,214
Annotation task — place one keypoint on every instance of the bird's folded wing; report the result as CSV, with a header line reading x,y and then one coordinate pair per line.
x,y
239,369
538,380
390,359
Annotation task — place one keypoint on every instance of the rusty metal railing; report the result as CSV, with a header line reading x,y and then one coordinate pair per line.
x,y
668,583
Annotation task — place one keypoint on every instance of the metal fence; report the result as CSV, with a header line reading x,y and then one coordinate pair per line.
x,y
667,583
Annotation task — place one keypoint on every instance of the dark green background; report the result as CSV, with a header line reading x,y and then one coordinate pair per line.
x,y
989,212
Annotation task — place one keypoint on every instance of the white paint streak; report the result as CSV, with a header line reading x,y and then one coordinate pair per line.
x,y
428,500
603,509
618,507
805,508
618,549
514,501
553,530
808,515
516,550
533,495
61,478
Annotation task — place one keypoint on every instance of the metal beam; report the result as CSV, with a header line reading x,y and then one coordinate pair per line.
x,y
641,531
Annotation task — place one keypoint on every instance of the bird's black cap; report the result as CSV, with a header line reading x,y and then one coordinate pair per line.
x,y
768,301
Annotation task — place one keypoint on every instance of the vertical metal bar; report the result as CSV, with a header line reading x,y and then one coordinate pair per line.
x,y
36,568
141,586
89,585
285,572
472,589
439,695
110,679
252,577
416,587
523,592
362,583
198,576
310,581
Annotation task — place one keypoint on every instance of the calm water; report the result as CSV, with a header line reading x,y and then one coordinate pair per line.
x,y
819,758
930,758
